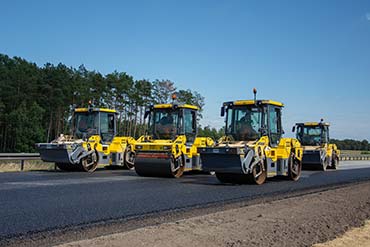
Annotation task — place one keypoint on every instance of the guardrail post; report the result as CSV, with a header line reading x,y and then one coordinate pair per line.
x,y
22,165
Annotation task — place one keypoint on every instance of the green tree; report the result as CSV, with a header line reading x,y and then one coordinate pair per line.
x,y
26,121
36,102
207,131
162,91
143,98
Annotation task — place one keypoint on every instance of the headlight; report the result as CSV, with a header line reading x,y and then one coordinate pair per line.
x,y
166,148
139,147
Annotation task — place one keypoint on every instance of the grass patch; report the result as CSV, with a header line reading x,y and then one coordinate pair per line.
x,y
29,165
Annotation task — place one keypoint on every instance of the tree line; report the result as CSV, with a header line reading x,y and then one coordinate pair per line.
x,y
349,144
37,102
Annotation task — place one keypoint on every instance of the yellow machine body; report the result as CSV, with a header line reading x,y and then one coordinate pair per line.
x,y
113,153
318,152
93,143
260,152
170,157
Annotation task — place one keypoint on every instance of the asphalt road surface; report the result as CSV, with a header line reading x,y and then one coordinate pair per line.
x,y
40,201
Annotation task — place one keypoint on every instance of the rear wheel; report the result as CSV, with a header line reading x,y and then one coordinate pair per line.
x,y
334,162
90,163
295,168
177,167
129,158
324,163
259,173
257,176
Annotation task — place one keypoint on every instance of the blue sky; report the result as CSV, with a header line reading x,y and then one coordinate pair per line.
x,y
314,56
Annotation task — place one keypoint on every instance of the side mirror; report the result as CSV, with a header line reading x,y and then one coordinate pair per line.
x,y
146,114
293,129
222,111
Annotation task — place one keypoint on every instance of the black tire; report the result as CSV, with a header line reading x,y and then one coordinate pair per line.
x,y
129,158
90,163
334,162
294,168
258,176
324,164
259,173
179,167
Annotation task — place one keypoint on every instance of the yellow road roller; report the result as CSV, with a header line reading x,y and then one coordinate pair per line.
x,y
93,142
253,148
170,147
317,151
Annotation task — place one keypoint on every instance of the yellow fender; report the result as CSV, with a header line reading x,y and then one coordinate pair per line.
x,y
286,145
334,148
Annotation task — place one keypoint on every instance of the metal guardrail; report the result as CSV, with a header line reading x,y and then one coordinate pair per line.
x,y
17,156
359,157
20,156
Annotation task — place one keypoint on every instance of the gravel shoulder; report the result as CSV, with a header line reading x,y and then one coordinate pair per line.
x,y
298,221
359,237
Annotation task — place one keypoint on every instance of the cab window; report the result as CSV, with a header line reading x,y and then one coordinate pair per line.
x,y
190,125
107,129
275,125
325,134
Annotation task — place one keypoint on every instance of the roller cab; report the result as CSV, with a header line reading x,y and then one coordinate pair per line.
x,y
93,142
318,153
170,147
253,148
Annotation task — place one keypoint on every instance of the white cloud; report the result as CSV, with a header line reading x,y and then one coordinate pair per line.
x,y
368,16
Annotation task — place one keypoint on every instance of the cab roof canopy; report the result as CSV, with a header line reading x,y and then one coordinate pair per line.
x,y
174,106
254,102
95,110
313,124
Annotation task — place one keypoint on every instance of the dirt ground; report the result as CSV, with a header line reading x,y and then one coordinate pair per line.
x,y
299,221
